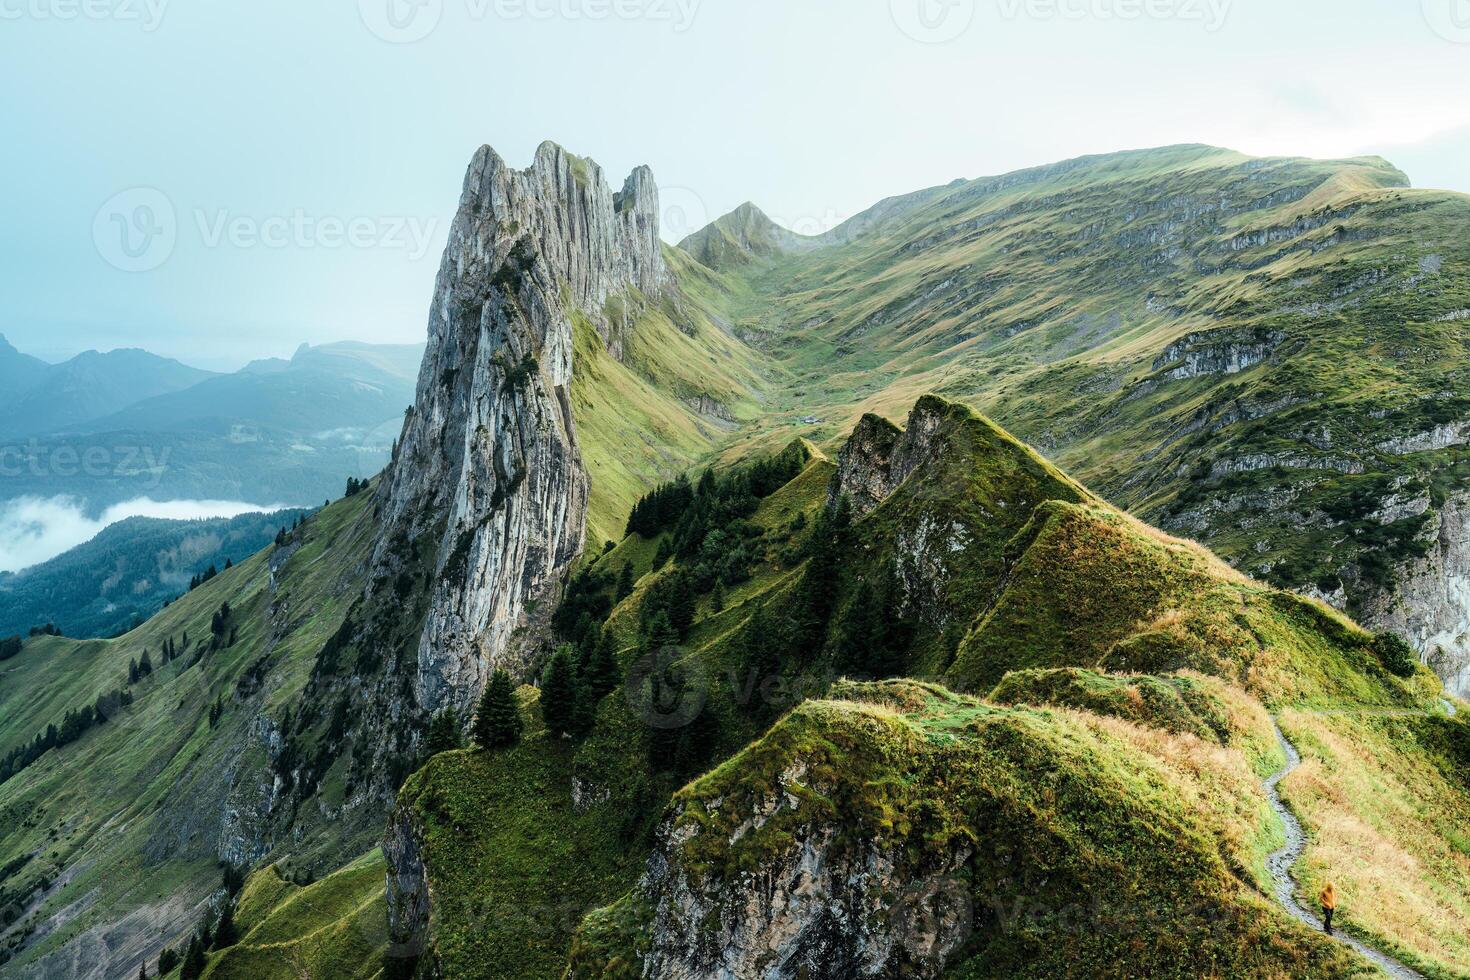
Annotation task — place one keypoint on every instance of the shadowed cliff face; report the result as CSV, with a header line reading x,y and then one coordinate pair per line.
x,y
489,464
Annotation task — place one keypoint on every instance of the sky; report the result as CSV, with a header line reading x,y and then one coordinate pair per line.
x,y
219,182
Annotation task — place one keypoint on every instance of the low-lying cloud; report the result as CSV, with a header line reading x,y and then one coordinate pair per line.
x,y
35,529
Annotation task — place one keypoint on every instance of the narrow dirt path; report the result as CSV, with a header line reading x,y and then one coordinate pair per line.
x,y
1279,864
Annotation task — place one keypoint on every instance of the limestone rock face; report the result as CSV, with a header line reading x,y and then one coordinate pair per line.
x,y
1430,602
1217,352
879,456
488,464
408,886
818,911
865,465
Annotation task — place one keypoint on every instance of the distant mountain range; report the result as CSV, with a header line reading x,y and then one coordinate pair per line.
x,y
53,397
107,428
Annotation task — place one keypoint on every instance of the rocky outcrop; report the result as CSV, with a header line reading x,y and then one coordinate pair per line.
x,y
879,456
1212,352
865,465
819,911
488,465
1440,437
1429,603
408,886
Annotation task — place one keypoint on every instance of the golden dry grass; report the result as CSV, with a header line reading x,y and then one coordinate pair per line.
x,y
1381,829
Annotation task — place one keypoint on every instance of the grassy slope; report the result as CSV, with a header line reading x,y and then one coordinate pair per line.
x,y
1084,833
127,819
515,864
1045,298
333,928
503,833
639,419
1086,587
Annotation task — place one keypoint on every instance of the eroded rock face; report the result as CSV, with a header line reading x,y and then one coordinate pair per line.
x,y
879,456
865,465
488,463
1217,352
818,911
408,886
1430,602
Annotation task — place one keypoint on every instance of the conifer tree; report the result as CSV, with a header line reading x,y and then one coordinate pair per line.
x,y
625,582
225,934
444,735
194,961
603,674
559,694
498,722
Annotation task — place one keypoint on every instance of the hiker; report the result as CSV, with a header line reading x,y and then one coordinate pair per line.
x,y
1328,899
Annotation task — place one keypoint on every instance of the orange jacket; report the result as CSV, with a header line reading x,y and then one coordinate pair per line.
x,y
1328,898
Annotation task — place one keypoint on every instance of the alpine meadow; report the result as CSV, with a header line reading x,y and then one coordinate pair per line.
x,y
1063,573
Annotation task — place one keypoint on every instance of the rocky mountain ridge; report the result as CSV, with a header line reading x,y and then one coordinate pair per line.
x,y
489,460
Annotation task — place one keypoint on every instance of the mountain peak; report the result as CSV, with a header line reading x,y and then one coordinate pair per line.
x,y
740,237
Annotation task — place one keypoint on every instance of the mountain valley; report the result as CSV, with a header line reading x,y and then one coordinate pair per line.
x,y
785,607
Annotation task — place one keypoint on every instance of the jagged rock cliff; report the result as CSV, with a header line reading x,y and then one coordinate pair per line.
x,y
1429,601
489,463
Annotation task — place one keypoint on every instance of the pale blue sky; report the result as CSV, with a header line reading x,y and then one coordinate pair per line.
x,y
261,120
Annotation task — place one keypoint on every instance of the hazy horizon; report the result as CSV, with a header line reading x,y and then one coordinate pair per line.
x,y
236,183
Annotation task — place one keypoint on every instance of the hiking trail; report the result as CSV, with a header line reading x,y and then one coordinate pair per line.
x,y
1279,864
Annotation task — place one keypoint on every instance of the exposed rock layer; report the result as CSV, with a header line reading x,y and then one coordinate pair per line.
x,y
489,462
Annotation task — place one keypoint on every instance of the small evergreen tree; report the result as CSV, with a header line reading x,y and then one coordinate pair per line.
x,y
625,582
717,597
194,961
697,741
226,934
143,970
444,735
559,694
664,553
498,722
167,960
603,674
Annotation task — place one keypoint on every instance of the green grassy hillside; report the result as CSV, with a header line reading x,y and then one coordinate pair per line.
x,y
1224,344
1164,754
118,833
